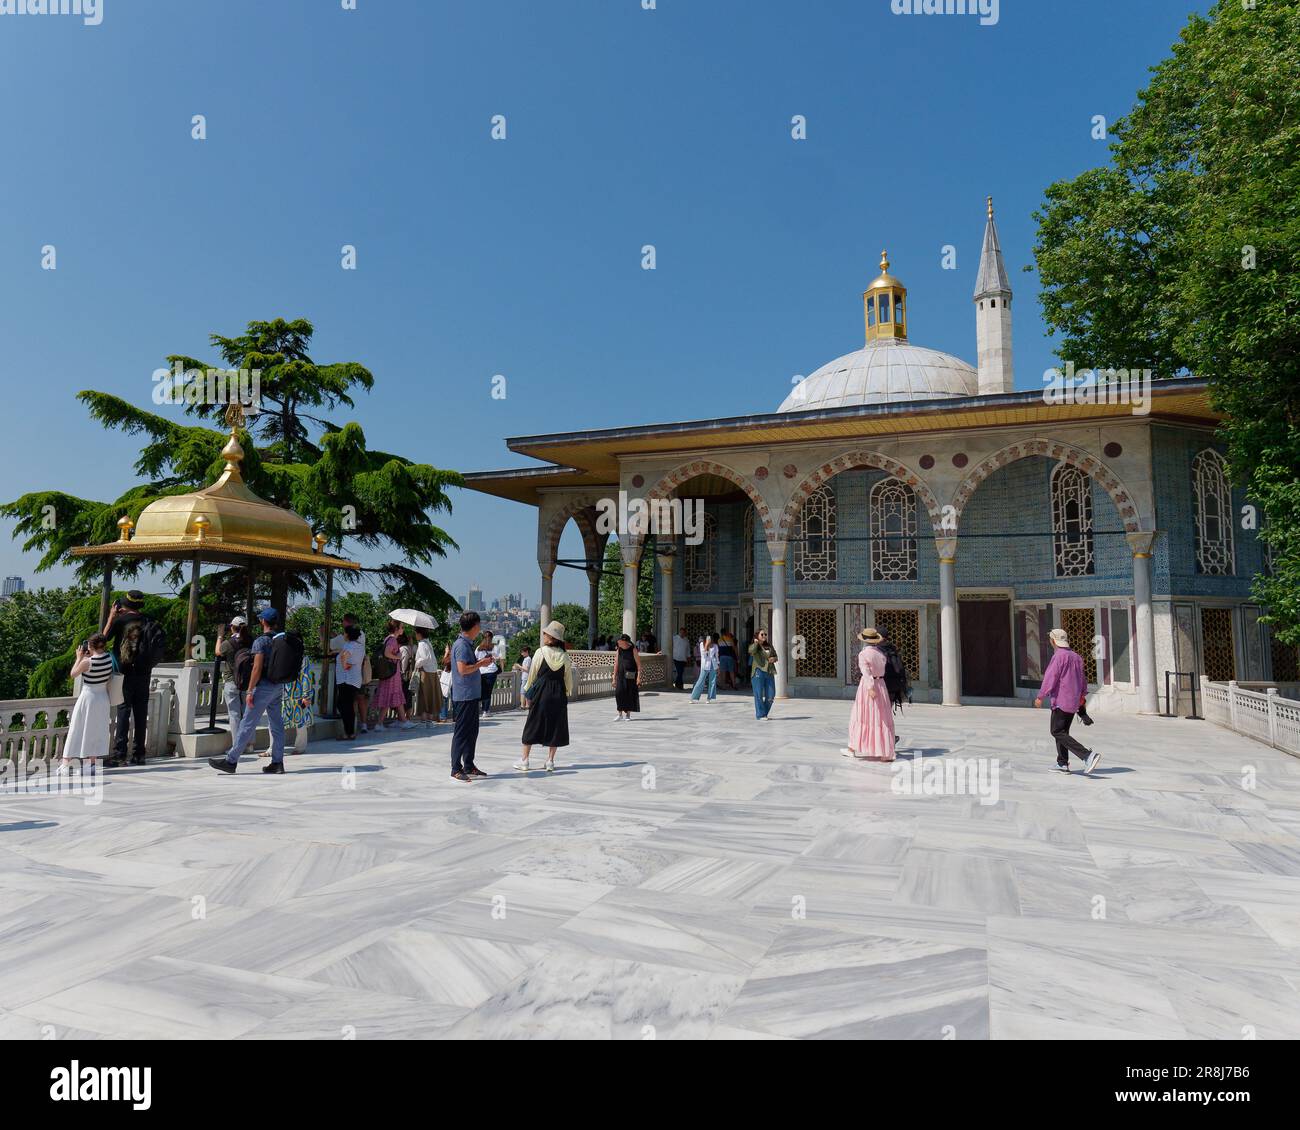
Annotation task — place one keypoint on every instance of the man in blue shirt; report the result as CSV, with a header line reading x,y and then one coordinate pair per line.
x,y
466,695
263,697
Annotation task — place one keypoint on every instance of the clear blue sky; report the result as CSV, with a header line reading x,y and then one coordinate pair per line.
x,y
626,127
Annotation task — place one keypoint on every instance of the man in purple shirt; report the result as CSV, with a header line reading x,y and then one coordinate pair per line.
x,y
1065,684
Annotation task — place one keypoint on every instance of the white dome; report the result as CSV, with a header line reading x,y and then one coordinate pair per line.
x,y
884,372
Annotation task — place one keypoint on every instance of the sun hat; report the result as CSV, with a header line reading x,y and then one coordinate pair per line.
x,y
133,599
870,635
555,630
1058,637
238,622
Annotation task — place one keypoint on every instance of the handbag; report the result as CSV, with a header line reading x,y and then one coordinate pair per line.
x,y
444,680
115,695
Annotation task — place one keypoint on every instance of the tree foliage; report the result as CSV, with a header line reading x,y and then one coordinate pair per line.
x,y
609,619
1183,255
574,618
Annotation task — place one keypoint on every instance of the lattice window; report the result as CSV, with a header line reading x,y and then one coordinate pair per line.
x,y
1217,651
893,531
698,625
1215,555
816,627
700,562
1072,522
1286,661
1081,627
749,549
815,556
904,628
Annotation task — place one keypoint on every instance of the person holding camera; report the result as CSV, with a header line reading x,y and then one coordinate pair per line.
x,y
138,645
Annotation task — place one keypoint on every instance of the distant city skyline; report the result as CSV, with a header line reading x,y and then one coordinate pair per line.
x,y
13,585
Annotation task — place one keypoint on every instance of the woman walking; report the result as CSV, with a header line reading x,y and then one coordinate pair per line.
x,y
348,662
87,739
391,695
871,724
727,661
627,679
549,685
428,696
486,647
762,658
708,669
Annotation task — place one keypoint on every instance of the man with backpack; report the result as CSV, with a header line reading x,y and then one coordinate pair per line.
x,y
896,681
138,645
277,660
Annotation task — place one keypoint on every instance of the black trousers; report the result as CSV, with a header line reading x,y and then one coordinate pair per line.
x,y
489,681
347,703
464,734
679,670
135,704
1066,745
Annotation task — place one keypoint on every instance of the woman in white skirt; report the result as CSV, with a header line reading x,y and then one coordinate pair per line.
x,y
87,739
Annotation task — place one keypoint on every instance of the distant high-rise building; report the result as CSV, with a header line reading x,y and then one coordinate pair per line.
x,y
12,585
474,601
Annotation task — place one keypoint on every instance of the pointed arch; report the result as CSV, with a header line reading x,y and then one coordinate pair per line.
x,y
852,461
1076,456
667,486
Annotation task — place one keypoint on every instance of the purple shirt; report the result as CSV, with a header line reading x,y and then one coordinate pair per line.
x,y
1064,681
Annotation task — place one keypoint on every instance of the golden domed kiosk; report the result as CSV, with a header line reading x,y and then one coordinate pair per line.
x,y
223,524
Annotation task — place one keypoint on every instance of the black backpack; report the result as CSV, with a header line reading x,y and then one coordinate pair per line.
x,y
896,682
285,663
241,667
143,647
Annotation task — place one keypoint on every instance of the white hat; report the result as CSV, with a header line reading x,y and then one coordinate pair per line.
x,y
1058,637
238,622
555,630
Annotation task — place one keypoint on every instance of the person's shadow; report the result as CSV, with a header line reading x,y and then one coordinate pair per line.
x,y
28,826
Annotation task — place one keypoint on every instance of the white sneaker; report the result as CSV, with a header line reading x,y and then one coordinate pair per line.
x,y
1094,759
522,766
847,753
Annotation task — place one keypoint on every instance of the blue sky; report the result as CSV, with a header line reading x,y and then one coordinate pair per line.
x,y
520,257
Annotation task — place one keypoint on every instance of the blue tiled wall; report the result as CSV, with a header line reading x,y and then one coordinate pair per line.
x,y
1175,558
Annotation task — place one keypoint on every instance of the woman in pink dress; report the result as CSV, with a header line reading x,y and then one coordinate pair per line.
x,y
392,693
871,725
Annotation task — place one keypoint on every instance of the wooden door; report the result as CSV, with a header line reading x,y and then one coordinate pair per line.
x,y
987,670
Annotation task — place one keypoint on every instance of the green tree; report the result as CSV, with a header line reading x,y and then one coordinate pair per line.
x,y
609,617
1183,255
33,627
357,497
572,616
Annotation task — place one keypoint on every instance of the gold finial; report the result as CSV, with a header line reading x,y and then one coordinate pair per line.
x,y
884,262
232,453
126,526
201,524
318,540
990,207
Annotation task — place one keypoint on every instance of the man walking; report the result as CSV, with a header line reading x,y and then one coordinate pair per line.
x,y
466,698
681,656
137,644
263,697
1065,684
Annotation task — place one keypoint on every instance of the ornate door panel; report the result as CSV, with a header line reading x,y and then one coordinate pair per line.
x,y
986,659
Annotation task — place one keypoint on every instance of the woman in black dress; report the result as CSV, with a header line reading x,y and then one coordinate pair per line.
x,y
547,689
627,678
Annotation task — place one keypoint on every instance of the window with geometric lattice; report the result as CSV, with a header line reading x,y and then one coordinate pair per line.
x,y
1072,522
893,531
1215,552
813,546
903,626
816,643
700,562
1081,629
1218,650
1286,661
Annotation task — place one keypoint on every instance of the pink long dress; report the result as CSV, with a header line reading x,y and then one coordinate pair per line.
x,y
871,725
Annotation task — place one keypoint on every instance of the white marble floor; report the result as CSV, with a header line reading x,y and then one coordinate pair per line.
x,y
689,874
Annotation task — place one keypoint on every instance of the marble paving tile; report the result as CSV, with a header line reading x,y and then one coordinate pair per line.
x,y
351,1014
735,880
514,908
958,882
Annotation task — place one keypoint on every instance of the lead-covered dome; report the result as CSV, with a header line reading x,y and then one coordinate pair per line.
x,y
884,372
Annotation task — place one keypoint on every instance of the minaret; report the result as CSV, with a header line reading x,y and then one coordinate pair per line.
x,y
993,315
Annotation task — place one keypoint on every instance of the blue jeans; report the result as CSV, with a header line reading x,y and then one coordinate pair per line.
x,y
764,692
266,700
707,678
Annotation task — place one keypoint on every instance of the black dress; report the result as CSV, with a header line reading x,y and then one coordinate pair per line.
x,y
626,696
548,711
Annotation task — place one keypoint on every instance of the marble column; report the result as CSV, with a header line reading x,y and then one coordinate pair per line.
x,y
780,639
544,608
631,574
949,630
1142,545
666,563
593,605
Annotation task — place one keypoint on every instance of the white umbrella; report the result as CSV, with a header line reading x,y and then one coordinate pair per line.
x,y
413,617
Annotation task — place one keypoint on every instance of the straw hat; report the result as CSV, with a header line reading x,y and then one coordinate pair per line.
x,y
555,630
870,635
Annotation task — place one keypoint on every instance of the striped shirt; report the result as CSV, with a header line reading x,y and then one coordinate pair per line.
x,y
100,670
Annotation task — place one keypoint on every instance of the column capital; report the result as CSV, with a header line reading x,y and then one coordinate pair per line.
x,y
1142,543
947,550
778,551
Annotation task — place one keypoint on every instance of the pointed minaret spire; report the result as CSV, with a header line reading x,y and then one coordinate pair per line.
x,y
993,315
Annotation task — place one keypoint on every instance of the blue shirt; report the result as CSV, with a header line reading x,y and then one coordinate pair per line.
x,y
464,687
262,647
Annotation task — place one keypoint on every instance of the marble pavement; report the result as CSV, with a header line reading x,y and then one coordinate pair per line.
x,y
689,874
